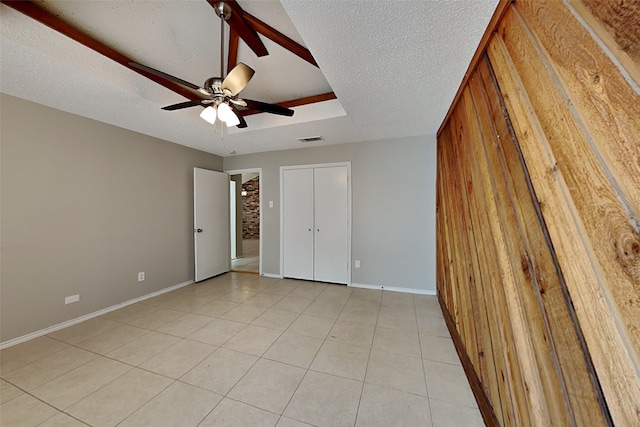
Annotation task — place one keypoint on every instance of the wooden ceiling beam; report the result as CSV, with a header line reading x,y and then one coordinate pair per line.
x,y
232,58
297,102
35,12
279,38
238,23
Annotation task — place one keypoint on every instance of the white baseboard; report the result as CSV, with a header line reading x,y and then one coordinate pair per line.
x,y
71,322
275,276
394,289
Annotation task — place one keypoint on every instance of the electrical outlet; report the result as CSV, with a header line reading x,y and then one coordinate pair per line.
x,y
357,262
141,276
71,299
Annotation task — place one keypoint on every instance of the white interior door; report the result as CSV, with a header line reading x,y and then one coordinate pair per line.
x,y
211,223
232,217
331,227
297,212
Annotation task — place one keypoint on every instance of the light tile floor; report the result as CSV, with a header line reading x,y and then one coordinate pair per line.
x,y
245,350
250,259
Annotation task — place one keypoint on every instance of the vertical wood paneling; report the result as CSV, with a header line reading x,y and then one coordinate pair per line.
x,y
474,333
537,218
604,132
487,365
519,300
589,190
554,311
500,333
617,24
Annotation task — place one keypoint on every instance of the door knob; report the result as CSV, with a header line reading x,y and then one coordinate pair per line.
x,y
199,230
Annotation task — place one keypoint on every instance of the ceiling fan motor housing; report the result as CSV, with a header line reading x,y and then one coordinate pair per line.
x,y
218,91
213,85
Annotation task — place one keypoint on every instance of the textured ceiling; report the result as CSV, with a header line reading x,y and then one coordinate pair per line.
x,y
394,70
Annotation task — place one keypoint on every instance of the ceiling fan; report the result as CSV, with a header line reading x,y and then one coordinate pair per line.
x,y
219,95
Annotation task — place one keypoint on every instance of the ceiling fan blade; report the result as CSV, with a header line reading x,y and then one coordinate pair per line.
x,y
166,76
268,108
237,78
181,105
243,123
238,102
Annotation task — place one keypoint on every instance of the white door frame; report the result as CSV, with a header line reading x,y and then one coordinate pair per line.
x,y
259,172
232,217
311,166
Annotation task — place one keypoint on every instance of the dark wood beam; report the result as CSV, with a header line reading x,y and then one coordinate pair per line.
x,y
35,12
232,58
279,38
297,102
238,23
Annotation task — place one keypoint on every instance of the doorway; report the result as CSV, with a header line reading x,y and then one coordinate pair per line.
x,y
247,227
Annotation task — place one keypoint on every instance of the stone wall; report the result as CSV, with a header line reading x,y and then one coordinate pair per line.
x,y
251,209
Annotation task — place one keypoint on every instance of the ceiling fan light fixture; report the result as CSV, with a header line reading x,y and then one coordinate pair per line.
x,y
218,92
209,114
226,114
233,120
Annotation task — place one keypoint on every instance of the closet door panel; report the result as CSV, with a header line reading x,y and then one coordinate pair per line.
x,y
330,246
298,223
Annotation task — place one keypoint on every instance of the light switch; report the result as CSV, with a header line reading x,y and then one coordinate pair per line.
x,y
270,203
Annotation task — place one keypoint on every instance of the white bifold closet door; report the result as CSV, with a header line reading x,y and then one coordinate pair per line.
x,y
315,221
298,223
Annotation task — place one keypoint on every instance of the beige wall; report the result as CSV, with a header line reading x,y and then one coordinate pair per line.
x,y
393,194
85,207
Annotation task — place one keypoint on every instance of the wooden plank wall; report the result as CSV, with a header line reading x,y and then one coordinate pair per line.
x,y
538,216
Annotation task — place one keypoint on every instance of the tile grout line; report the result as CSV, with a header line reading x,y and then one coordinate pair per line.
x,y
131,367
424,371
261,357
264,291
225,396
314,357
174,380
64,410
373,338
58,410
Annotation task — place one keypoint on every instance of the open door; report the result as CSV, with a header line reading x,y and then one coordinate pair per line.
x,y
211,223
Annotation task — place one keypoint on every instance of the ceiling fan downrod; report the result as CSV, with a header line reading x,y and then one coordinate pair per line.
x,y
219,95
223,10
